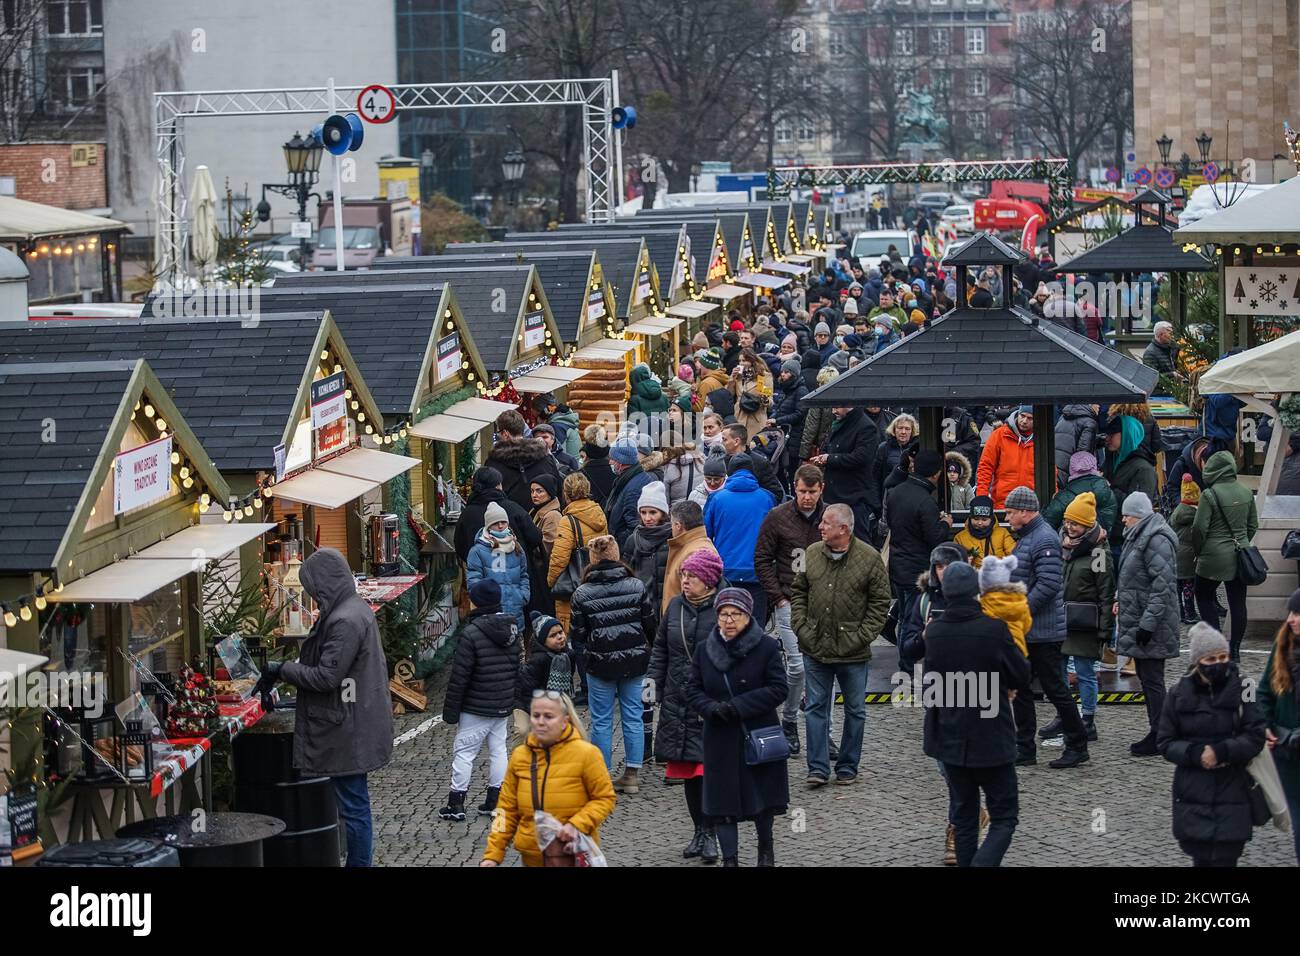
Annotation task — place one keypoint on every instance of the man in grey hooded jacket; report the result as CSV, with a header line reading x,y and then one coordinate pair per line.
x,y
344,721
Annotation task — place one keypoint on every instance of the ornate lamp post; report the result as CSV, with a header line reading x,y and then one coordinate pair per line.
x,y
302,157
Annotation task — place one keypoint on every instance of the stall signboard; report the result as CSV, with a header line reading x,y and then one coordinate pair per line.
x,y
448,358
642,287
333,437
595,305
746,250
299,453
22,818
281,453
1262,290
534,330
142,475
328,400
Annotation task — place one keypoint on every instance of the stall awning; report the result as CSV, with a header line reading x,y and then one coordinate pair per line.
x,y
207,541
447,428
786,268
324,489
762,280
1271,367
654,326
725,293
125,582
480,409
607,349
369,464
692,309
548,378
800,260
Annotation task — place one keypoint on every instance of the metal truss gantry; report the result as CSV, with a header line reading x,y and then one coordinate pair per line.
x,y
1055,172
596,96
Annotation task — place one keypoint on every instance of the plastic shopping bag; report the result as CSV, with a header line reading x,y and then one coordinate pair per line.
x,y
581,851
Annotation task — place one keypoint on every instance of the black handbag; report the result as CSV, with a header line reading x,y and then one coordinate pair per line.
x,y
765,745
1291,546
1251,566
1082,616
571,576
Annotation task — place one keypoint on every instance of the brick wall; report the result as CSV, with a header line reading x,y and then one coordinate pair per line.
x,y
44,173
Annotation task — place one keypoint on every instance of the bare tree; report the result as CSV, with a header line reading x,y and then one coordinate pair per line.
x,y
22,25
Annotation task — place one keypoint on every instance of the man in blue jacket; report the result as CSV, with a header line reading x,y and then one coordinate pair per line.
x,y
1039,568
732,518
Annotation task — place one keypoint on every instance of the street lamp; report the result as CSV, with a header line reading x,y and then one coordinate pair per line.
x,y
695,177
1203,144
1164,144
513,164
302,157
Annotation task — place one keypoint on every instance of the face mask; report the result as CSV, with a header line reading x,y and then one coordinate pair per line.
x,y
501,535
1216,674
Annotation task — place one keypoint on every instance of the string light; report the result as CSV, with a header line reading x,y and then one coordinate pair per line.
x,y
24,611
11,619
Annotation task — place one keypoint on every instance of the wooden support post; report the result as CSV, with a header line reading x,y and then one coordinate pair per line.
x,y
932,438
1044,454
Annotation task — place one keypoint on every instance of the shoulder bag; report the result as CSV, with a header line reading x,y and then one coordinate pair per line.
x,y
765,745
571,576
1251,567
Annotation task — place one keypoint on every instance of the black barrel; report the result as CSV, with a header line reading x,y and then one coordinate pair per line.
x,y
214,839
265,782
134,851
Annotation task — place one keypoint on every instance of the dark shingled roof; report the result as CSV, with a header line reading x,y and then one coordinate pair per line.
x,y
618,256
799,213
661,239
563,275
234,381
387,327
983,250
41,482
491,319
990,357
1144,248
732,224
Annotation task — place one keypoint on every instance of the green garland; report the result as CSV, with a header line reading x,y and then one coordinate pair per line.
x,y
1289,412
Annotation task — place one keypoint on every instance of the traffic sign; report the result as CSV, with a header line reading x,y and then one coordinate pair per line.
x,y
1113,174
1165,177
376,104
1142,176
1210,171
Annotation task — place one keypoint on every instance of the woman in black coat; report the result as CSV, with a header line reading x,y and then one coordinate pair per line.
x,y
1210,734
788,413
687,623
902,435
809,366
737,682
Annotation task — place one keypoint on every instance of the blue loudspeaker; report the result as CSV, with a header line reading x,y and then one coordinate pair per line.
x,y
335,134
623,117
358,131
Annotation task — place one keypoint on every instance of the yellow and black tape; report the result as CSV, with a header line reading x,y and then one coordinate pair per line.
x,y
1105,697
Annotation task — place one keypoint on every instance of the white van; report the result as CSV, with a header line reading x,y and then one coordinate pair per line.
x,y
870,247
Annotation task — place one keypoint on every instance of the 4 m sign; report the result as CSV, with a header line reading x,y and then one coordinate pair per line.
x,y
376,104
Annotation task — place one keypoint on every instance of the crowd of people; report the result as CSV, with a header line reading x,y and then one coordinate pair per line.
x,y
724,560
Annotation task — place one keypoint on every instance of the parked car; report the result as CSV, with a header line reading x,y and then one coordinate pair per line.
x,y
961,217
936,202
868,247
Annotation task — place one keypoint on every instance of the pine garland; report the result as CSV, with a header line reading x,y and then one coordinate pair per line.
x,y
1289,412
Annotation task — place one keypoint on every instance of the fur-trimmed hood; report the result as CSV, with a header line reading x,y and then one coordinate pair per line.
x,y
963,463
724,654
520,453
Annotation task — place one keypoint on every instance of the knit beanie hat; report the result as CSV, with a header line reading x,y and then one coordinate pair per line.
x,y
494,513
548,483
981,506
884,319
928,462
1025,410
734,597
486,477
685,373
839,361
715,466
700,341
1083,509
542,624
623,451
995,572
960,580
850,307
791,366
1137,505
1205,641
917,317
822,329
1190,491
653,495
711,359
791,340
705,565
1023,498
736,325
853,341
1082,463
1293,602
485,593
603,548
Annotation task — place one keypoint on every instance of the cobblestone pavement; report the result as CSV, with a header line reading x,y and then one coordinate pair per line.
x,y
1113,811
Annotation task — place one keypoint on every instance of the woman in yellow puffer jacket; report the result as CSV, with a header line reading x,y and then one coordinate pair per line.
x,y
571,781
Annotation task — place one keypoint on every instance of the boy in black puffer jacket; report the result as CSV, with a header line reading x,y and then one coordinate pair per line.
x,y
480,696
551,664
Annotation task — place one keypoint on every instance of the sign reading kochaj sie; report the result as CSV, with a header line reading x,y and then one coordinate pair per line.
x,y
534,329
142,475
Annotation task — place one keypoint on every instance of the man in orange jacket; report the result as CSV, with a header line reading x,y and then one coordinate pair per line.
x,y
1008,458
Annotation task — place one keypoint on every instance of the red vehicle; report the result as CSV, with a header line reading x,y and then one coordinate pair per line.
x,y
1011,204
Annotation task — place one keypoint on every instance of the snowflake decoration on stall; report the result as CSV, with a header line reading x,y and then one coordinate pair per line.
x,y
1268,290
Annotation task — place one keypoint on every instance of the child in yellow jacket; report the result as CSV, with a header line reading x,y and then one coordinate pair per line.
x,y
1004,599
983,536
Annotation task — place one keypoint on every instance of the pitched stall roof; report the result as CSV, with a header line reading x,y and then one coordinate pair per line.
x,y
491,319
24,221
390,328
990,356
42,483
1144,248
235,382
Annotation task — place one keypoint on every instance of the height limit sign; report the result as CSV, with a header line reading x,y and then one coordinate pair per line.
x,y
376,104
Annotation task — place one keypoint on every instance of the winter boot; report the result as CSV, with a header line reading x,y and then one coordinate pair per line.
x,y
709,846
1189,602
628,783
1051,730
1090,725
489,803
1069,759
766,854
455,808
1146,747
791,729
696,846
950,846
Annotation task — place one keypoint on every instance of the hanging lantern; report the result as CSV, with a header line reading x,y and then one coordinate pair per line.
x,y
296,616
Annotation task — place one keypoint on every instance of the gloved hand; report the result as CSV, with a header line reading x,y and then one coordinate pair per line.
x,y
649,693
725,712
268,679
272,670
1144,637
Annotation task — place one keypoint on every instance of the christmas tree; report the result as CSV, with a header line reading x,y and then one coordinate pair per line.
x,y
244,265
195,707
